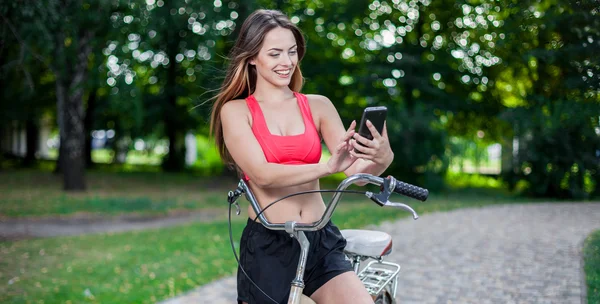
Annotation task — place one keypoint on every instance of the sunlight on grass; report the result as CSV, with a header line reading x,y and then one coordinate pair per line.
x,y
38,193
462,180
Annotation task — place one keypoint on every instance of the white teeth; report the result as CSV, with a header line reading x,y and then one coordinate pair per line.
x,y
286,72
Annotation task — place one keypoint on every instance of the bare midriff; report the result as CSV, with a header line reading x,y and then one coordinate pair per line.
x,y
304,208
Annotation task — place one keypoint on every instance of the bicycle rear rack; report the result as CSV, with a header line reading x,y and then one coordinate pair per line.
x,y
378,274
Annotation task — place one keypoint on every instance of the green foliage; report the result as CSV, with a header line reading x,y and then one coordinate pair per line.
x,y
209,161
418,131
476,181
444,68
591,260
558,153
556,122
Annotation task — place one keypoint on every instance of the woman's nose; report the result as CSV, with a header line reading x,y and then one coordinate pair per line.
x,y
287,60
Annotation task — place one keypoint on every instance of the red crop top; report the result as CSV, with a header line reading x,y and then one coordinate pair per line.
x,y
298,149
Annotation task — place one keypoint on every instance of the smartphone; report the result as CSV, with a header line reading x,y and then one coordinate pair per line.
x,y
377,116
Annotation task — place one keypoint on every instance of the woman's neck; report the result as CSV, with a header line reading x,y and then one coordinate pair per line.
x,y
269,93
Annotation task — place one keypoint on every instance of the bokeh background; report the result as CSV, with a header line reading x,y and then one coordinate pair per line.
x,y
104,109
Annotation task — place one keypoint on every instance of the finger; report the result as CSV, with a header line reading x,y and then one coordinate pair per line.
x,y
361,148
384,133
352,125
361,156
350,132
373,130
350,147
340,147
363,140
353,157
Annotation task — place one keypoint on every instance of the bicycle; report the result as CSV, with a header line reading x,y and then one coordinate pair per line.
x,y
379,277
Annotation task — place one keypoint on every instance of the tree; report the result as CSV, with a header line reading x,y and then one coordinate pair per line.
x,y
61,35
416,58
552,50
28,93
169,60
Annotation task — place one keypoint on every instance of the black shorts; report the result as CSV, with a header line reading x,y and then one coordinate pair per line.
x,y
271,257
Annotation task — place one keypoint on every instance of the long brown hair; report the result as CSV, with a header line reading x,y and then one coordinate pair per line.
x,y
240,77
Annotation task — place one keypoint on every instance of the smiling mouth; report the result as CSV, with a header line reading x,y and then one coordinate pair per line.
x,y
283,72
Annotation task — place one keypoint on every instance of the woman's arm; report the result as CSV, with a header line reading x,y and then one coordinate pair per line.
x,y
248,155
374,161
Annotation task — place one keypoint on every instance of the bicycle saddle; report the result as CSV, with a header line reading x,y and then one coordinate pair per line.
x,y
367,242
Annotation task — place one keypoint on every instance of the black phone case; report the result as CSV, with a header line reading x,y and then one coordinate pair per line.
x,y
377,117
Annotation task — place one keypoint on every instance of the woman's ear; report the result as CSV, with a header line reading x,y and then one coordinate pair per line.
x,y
252,60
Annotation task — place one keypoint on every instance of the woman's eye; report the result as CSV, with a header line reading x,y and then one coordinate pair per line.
x,y
293,52
274,55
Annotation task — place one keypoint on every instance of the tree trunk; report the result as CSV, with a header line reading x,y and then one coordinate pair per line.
x,y
32,131
175,159
73,114
74,169
60,105
88,124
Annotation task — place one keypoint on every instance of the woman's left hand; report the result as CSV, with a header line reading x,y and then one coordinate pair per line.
x,y
377,150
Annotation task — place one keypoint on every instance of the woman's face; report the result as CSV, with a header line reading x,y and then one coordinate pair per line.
x,y
277,58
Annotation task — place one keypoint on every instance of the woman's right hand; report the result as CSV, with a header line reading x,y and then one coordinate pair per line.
x,y
341,158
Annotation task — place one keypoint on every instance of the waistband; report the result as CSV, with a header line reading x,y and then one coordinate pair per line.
x,y
258,227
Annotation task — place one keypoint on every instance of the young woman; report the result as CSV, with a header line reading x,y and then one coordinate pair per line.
x,y
271,133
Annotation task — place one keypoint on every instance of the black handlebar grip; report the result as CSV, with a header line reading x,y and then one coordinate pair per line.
x,y
411,191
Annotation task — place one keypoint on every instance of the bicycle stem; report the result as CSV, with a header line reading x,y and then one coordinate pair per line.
x,y
298,283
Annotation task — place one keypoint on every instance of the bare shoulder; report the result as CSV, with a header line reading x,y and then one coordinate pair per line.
x,y
235,106
318,100
236,112
320,103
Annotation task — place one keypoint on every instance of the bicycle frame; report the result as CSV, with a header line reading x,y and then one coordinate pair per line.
x,y
296,230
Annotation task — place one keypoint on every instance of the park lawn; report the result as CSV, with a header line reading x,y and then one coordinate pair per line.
x,y
591,256
153,265
146,192
39,193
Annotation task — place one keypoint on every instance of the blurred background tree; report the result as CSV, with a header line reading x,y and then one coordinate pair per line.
x,y
551,76
127,81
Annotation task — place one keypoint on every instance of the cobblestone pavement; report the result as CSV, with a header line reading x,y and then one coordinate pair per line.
x,y
499,254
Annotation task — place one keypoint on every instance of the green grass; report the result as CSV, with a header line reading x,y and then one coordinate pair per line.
x,y
149,266
591,256
145,191
39,193
133,267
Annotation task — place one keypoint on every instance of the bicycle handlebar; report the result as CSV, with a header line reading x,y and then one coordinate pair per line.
x,y
389,184
411,191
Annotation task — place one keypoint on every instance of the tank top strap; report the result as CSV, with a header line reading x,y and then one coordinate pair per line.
x,y
258,120
305,108
252,105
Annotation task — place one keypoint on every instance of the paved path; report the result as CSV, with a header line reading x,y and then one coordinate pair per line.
x,y
82,224
498,254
